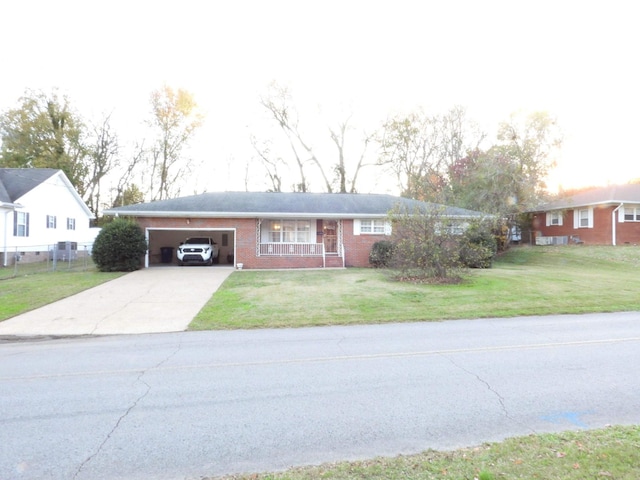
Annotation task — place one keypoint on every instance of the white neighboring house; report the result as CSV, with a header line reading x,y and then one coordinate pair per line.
x,y
41,212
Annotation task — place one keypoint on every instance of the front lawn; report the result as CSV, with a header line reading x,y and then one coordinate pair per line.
x,y
524,281
19,294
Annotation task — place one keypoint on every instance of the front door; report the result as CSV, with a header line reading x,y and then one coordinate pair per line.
x,y
330,236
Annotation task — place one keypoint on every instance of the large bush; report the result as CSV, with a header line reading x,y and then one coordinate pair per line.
x,y
478,246
381,254
426,245
119,247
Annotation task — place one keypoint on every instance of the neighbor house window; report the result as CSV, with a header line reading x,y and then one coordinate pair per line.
x,y
20,224
632,214
289,231
71,223
554,218
583,218
51,221
373,226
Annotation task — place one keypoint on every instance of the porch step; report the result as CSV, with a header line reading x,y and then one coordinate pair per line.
x,y
333,261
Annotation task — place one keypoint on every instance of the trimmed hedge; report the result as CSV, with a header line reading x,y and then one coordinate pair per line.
x,y
119,247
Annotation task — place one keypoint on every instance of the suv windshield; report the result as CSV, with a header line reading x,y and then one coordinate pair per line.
x,y
197,241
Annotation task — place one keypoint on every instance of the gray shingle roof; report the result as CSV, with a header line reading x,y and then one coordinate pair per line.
x,y
269,204
17,181
612,194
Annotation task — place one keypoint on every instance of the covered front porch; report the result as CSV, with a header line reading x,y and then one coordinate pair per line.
x,y
302,238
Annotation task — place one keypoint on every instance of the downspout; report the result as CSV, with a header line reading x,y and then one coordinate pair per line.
x,y
613,224
6,234
4,240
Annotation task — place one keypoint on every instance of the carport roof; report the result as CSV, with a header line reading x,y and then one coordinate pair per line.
x,y
278,204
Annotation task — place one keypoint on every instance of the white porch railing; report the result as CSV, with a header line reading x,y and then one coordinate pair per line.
x,y
292,249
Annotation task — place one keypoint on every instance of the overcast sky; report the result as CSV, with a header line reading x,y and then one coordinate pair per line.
x,y
576,60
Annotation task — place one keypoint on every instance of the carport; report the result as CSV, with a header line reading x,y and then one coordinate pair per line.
x,y
163,243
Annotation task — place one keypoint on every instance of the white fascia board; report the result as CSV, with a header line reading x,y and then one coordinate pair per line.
x,y
298,215
238,214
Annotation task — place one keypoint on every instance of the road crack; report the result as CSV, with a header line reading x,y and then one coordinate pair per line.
x,y
501,400
147,389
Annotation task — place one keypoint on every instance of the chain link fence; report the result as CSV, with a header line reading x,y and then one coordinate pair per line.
x,y
61,256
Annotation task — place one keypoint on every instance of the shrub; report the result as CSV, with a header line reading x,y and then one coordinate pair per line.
x,y
119,247
381,254
426,246
478,246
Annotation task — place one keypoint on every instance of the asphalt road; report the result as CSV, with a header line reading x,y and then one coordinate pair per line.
x,y
192,404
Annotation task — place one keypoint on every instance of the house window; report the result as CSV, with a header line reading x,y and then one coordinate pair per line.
x,y
632,214
71,223
20,224
51,221
289,231
583,218
372,226
554,218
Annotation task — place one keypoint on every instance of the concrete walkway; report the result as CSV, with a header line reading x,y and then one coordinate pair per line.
x,y
159,299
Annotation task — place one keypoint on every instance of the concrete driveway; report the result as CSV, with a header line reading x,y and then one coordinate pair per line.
x,y
153,300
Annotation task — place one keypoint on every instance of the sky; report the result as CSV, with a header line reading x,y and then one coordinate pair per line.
x,y
576,60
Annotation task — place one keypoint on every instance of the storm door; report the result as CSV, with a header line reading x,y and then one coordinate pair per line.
x,y
330,236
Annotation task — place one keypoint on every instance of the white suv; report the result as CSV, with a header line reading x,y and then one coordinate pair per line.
x,y
202,250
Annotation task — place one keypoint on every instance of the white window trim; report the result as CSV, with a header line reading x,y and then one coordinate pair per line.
x,y
297,231
551,215
52,221
384,227
21,222
576,218
636,214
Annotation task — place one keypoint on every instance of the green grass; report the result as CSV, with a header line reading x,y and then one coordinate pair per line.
x,y
524,281
22,293
610,453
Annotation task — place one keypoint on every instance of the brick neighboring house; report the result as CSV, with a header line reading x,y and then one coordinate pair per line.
x,y
275,230
600,216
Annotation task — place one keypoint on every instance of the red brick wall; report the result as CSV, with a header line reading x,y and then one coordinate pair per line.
x,y
357,247
600,234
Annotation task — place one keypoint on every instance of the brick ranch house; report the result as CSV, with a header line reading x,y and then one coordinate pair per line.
x,y
600,216
275,230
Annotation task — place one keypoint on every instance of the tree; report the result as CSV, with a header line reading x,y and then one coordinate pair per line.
x,y
119,247
345,182
426,245
45,132
175,120
278,104
509,177
104,158
271,163
126,192
419,148
530,142
409,148
128,195
485,181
